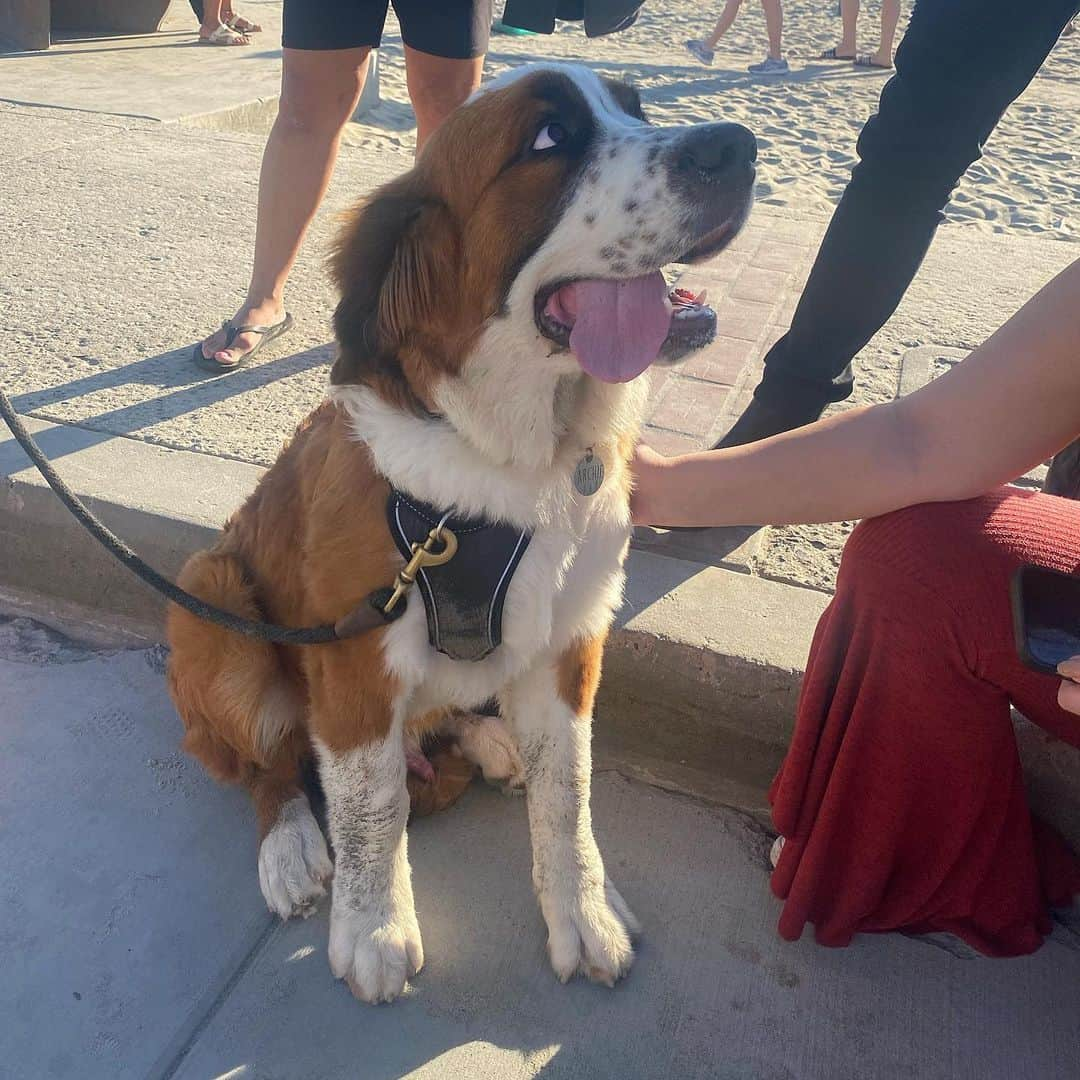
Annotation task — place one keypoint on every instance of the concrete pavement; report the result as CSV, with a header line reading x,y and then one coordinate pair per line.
x,y
137,943
166,76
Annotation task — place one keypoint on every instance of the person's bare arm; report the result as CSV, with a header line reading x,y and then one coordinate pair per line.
x,y
1010,405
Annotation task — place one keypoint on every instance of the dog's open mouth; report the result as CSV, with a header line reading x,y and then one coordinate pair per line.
x,y
616,329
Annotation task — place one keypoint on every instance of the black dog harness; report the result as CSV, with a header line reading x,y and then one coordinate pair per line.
x,y
463,598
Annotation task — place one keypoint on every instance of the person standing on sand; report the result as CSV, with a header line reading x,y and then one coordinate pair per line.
x,y
959,66
846,50
327,44
774,64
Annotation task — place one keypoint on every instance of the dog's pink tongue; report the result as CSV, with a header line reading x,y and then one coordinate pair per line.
x,y
619,326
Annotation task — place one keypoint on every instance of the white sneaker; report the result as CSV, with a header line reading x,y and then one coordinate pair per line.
x,y
698,50
769,66
774,851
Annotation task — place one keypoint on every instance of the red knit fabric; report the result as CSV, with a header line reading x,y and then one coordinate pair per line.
x,y
901,796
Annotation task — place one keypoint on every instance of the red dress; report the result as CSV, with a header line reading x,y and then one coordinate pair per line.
x,y
901,796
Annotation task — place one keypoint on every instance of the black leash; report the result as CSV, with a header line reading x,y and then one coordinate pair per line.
x,y
380,608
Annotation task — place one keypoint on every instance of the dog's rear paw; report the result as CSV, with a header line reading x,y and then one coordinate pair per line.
x,y
486,741
374,956
589,933
294,865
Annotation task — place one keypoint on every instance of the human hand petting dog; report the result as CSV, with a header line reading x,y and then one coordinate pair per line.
x,y
649,501
1069,691
1012,404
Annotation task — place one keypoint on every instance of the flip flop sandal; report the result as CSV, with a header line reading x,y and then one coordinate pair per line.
x,y
232,332
867,61
499,27
224,35
832,54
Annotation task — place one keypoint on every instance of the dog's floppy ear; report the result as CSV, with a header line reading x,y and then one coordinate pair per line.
x,y
626,97
395,264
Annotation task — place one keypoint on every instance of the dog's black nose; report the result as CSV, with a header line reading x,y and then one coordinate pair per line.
x,y
715,151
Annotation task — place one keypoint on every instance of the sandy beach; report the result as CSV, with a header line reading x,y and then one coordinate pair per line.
x,y
806,122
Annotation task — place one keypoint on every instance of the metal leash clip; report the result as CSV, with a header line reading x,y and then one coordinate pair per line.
x,y
423,556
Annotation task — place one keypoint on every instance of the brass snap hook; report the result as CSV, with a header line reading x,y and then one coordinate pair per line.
x,y
423,555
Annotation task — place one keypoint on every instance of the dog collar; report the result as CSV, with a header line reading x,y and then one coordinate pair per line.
x,y
464,597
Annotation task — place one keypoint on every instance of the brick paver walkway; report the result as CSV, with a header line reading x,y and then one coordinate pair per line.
x,y
753,287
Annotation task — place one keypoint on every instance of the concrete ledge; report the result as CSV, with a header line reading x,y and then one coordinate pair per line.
x,y
259,113
164,503
702,671
702,677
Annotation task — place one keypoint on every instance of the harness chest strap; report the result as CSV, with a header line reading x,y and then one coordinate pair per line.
x,y
463,598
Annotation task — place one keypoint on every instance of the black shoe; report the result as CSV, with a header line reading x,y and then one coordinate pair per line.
x,y
1064,476
760,421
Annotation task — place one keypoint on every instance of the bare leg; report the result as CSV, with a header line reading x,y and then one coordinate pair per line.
x,y
774,25
723,24
849,17
890,15
319,91
437,86
211,16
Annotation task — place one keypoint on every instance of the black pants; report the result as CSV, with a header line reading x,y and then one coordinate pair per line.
x,y
960,64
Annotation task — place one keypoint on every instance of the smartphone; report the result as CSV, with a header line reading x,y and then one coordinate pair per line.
x,y
1046,617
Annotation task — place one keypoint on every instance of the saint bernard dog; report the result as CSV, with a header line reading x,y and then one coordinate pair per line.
x,y
499,305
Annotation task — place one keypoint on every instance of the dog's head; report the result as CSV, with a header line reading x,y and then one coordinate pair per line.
x,y
531,233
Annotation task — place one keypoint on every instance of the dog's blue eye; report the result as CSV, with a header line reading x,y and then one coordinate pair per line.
x,y
549,135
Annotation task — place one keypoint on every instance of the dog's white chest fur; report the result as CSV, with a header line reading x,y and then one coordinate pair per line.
x,y
570,579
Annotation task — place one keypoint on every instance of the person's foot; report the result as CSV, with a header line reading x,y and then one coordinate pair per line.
x,y
221,35
1063,477
239,23
838,53
268,313
879,60
762,421
769,66
700,51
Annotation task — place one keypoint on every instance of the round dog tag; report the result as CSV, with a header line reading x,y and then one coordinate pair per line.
x,y
588,474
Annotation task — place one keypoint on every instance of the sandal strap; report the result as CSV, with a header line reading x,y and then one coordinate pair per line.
x,y
253,329
223,33
232,331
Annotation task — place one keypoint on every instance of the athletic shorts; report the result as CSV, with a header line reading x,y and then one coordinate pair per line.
x,y
454,29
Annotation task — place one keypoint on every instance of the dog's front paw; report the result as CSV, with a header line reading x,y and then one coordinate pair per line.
x,y
294,865
589,931
375,956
